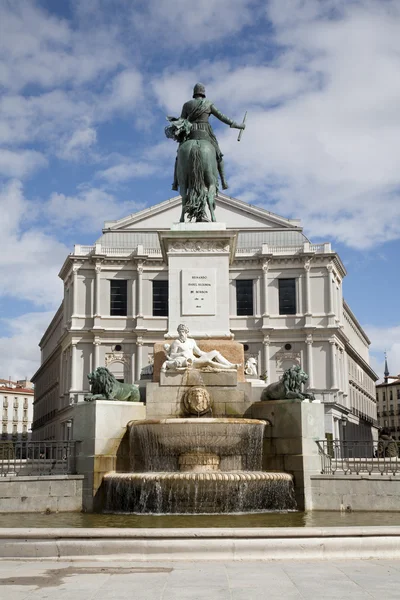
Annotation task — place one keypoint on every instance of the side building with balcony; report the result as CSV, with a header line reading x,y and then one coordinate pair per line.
x,y
286,307
388,403
16,403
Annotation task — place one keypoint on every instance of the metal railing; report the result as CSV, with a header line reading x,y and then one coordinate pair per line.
x,y
380,456
37,458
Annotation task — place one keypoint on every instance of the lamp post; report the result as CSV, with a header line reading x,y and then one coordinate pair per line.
x,y
69,426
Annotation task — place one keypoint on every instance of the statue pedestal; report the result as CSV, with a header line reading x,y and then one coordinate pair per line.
x,y
99,427
289,444
195,377
198,257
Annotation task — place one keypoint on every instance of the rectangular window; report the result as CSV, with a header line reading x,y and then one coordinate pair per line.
x,y
160,298
244,297
118,297
287,296
384,396
398,393
390,395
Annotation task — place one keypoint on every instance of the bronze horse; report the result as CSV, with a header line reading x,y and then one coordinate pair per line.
x,y
197,173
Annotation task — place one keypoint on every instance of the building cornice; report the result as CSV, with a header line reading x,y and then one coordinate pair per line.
x,y
52,323
356,323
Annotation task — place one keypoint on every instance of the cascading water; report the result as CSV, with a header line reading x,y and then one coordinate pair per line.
x,y
197,465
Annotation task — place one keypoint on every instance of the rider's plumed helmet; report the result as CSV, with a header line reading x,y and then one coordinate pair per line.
x,y
199,90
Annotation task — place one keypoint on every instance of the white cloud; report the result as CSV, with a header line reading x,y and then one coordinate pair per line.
x,y
87,210
64,120
19,350
174,22
30,259
78,144
20,163
127,171
125,91
39,48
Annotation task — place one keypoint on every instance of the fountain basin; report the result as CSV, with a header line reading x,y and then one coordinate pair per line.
x,y
165,442
200,492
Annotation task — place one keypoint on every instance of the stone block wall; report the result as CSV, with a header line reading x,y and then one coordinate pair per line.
x,y
55,493
355,492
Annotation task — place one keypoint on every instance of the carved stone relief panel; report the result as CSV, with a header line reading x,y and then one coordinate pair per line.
x,y
285,360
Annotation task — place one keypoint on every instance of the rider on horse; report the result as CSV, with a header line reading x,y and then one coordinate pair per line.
x,y
194,125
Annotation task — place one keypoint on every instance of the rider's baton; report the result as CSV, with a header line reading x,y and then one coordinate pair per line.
x,y
241,131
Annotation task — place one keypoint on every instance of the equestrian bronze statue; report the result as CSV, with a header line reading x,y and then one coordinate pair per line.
x,y
199,159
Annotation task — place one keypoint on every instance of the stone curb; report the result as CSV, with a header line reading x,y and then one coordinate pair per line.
x,y
329,543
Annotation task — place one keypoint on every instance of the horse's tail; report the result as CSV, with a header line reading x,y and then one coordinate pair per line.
x,y
197,192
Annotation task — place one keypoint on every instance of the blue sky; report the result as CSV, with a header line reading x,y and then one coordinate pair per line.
x,y
84,89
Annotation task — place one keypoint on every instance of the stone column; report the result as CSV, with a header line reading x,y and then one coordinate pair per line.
x,y
310,371
97,290
331,312
74,290
139,289
73,367
139,344
132,373
133,300
346,378
265,268
65,306
341,363
333,364
307,266
96,353
266,343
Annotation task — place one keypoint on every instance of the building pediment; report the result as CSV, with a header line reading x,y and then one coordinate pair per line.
x,y
235,213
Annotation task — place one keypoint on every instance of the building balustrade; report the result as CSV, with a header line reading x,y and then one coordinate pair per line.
x,y
82,250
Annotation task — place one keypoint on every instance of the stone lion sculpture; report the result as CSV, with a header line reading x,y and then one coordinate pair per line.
x,y
288,387
104,386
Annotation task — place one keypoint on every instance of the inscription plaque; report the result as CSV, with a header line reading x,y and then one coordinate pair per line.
x,y
198,292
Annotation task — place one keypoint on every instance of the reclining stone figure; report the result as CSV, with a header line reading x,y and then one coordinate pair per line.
x,y
184,353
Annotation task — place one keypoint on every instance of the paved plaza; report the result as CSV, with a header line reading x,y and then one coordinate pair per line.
x,y
118,580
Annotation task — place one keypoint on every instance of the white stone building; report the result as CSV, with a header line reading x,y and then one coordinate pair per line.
x,y
285,306
16,403
388,403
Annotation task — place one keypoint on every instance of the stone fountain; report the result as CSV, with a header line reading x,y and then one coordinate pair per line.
x,y
200,464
